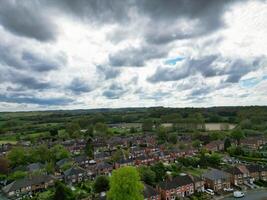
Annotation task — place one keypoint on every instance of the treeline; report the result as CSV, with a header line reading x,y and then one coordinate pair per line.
x,y
253,117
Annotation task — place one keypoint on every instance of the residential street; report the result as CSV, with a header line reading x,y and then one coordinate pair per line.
x,y
252,195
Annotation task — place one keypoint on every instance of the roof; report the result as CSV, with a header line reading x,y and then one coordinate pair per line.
x,y
234,171
103,165
175,182
215,174
18,184
63,161
35,166
81,158
74,171
149,191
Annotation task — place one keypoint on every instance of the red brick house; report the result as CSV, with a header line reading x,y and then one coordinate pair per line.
x,y
150,193
217,145
180,186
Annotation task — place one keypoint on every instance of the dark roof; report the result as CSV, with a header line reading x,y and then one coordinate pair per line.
x,y
35,166
234,171
176,182
256,168
149,191
124,161
103,165
80,158
18,184
215,174
74,171
63,161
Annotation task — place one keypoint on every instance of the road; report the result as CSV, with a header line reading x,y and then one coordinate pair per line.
x,y
252,195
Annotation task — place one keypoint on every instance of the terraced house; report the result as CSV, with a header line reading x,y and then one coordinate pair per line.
x,y
28,186
180,186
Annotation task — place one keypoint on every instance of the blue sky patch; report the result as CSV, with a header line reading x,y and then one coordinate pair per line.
x,y
251,82
173,61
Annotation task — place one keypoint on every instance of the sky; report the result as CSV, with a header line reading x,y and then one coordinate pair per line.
x,y
86,54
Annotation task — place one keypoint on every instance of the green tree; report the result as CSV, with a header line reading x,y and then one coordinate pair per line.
x,y
162,135
63,192
59,152
101,128
173,138
72,129
214,159
17,175
159,170
227,144
147,175
196,144
89,148
50,168
4,165
53,132
125,183
17,156
237,134
147,125
101,184
90,131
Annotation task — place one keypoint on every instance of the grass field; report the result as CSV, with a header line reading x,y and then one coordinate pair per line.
x,y
195,171
7,142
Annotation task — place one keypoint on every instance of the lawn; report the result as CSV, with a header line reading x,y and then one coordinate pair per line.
x,y
195,171
7,142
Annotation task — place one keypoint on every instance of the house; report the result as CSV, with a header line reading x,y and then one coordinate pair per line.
x,y
180,186
238,175
103,168
254,171
28,186
216,180
150,193
61,163
217,145
101,156
257,172
34,167
198,183
82,161
263,173
124,162
76,175
253,143
144,160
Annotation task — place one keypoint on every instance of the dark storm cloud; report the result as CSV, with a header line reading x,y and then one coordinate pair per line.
x,y
98,12
27,60
107,72
34,100
34,18
136,57
115,91
238,68
27,18
78,86
207,67
189,68
23,80
206,13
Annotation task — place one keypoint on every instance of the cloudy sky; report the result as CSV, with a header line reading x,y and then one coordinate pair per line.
x,y
69,54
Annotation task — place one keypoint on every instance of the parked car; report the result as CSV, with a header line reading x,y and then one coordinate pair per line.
x,y
209,191
228,189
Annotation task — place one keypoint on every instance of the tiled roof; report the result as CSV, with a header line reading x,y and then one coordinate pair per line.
x,y
74,171
215,174
18,184
176,182
149,191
